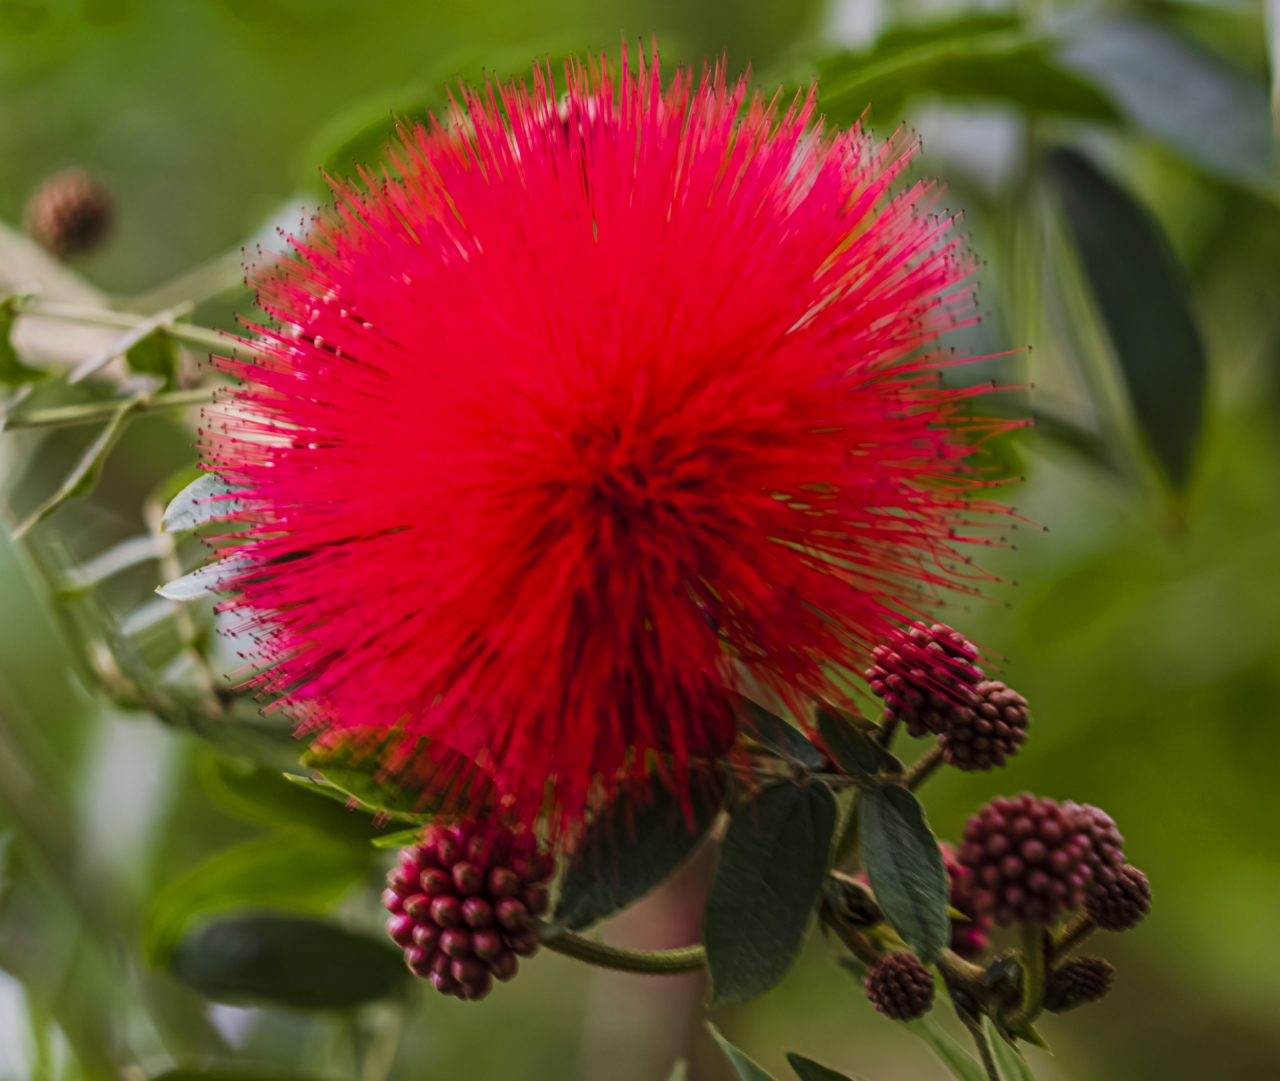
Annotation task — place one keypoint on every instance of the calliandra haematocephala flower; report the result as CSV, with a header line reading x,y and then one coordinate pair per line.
x,y
580,397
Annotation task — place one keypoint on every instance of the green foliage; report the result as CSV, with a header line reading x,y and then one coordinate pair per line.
x,y
808,1070
773,732
857,751
635,845
962,1065
156,354
744,1066
1009,1059
286,960
767,884
263,795
905,869
298,870
12,371
968,58
1143,298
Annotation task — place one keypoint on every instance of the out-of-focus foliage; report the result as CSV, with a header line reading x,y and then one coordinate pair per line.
x,y
144,814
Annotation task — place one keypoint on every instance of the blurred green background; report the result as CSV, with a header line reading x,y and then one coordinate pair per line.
x,y
1138,608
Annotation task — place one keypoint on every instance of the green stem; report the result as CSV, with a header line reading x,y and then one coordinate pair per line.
x,y
1071,936
888,729
984,1052
853,940
963,974
647,962
923,767
92,412
1033,971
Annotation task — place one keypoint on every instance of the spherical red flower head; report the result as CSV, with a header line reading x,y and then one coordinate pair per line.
x,y
900,987
460,903
1121,904
579,400
987,732
969,935
1033,858
926,675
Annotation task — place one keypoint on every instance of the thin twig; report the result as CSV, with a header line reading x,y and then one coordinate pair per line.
x,y
923,767
647,962
1071,936
94,412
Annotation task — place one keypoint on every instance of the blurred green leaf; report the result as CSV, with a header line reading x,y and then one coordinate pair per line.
x,y
857,751
986,58
12,371
204,499
961,1064
783,739
204,580
905,869
261,794
399,839
156,354
296,870
745,1067
1009,1060
768,880
286,960
1210,111
634,846
84,476
808,1070
1144,301
246,1074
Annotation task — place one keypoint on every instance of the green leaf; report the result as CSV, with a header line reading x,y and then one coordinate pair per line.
x,y
156,354
399,839
204,499
299,871
247,1074
84,476
808,1070
260,794
857,752
745,1067
1143,297
12,371
635,845
410,796
967,58
905,869
1009,1060
768,881
204,580
961,1064
286,960
785,740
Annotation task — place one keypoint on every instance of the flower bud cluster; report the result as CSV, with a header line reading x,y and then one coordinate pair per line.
x,y
460,903
899,986
985,733
1121,904
1033,858
1078,982
925,674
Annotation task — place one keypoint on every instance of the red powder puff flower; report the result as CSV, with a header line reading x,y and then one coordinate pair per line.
x,y
587,393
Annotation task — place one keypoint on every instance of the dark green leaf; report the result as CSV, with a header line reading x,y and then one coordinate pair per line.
x,y
261,794
300,871
905,36
12,371
399,839
1144,302
746,1068
905,869
286,960
808,1070
204,499
785,740
857,751
1009,1060
768,881
156,354
961,1064
410,796
637,844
